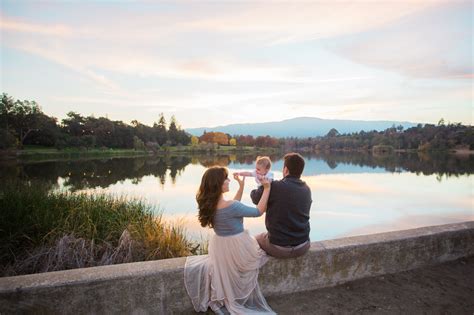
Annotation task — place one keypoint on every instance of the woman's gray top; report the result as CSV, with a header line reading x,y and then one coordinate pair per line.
x,y
229,220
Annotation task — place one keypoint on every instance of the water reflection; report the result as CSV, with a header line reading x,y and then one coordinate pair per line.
x,y
80,174
419,163
353,193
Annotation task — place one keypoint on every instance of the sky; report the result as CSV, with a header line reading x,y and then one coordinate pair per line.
x,y
223,62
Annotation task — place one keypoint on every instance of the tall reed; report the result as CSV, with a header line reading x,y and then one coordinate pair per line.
x,y
44,231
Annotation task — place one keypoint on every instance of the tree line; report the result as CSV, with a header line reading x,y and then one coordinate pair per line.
x,y
221,138
24,123
428,137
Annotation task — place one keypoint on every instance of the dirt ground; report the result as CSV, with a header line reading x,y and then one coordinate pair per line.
x,y
442,289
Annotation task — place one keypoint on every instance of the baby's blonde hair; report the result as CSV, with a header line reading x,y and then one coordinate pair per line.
x,y
264,161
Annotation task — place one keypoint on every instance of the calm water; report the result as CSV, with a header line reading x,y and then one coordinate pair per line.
x,y
353,194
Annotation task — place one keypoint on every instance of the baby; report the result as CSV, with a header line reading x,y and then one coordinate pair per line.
x,y
262,169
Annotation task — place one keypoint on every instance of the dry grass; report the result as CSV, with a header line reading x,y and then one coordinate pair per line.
x,y
42,231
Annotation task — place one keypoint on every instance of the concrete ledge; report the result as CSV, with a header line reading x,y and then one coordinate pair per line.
x,y
157,286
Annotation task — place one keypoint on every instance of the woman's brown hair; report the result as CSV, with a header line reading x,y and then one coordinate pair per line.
x,y
209,193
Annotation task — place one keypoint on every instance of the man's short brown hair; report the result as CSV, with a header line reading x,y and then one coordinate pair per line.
x,y
294,162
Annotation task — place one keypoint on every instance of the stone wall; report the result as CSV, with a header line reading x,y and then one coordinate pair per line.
x,y
157,286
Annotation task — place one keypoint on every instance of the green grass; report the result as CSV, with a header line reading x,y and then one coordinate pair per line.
x,y
40,153
43,231
44,152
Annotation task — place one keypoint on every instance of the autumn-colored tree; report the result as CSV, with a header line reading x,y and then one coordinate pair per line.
x,y
194,140
221,138
245,140
214,137
266,141
233,142
206,137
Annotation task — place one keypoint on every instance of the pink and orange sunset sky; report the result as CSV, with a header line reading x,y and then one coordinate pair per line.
x,y
216,63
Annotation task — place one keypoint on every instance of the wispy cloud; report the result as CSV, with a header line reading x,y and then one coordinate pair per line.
x,y
15,25
424,50
329,59
54,53
282,23
278,22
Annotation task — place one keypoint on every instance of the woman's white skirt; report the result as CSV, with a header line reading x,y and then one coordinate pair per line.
x,y
227,276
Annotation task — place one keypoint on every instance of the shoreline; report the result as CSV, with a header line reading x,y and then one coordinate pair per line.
x,y
49,154
52,154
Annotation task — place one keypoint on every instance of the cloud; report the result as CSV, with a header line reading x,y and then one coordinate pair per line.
x,y
82,57
269,55
282,23
55,54
152,44
14,25
435,43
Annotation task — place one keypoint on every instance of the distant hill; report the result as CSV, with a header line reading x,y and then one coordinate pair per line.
x,y
301,127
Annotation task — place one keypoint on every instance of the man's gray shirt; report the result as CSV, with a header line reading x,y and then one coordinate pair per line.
x,y
287,217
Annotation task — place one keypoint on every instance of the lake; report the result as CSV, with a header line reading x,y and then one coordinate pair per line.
x,y
353,193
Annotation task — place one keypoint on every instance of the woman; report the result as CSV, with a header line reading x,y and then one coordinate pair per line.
x,y
228,275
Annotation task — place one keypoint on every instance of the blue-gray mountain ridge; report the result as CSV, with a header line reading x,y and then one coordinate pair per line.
x,y
301,127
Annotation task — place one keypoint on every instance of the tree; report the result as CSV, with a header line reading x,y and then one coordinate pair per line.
x,y
332,133
74,124
8,137
206,137
46,131
161,135
103,130
184,137
144,132
245,140
88,141
6,109
220,138
25,119
138,144
214,137
194,141
123,134
233,142
173,135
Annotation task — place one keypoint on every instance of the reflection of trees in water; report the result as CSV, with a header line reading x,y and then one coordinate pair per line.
x,y
97,173
225,160
214,160
80,174
419,163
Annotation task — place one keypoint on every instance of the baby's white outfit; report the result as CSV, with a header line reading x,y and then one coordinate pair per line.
x,y
269,175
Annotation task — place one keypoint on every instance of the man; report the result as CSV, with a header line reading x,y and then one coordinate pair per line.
x,y
287,218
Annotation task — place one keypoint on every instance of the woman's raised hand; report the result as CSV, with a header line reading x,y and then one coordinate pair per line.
x,y
238,179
